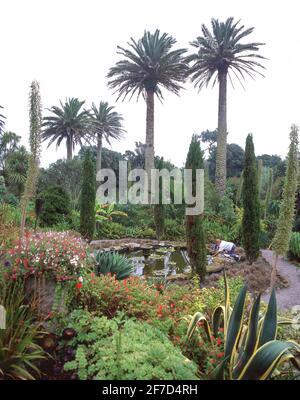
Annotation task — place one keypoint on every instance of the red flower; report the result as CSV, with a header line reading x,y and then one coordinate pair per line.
x,y
219,342
220,355
78,285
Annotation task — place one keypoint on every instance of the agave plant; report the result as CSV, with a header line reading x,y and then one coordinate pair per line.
x,y
106,212
114,263
251,349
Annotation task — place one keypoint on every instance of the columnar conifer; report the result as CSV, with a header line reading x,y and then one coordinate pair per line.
x,y
88,196
251,214
196,245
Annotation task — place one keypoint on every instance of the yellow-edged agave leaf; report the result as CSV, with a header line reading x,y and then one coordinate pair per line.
x,y
268,329
218,315
198,317
248,347
227,303
235,323
267,358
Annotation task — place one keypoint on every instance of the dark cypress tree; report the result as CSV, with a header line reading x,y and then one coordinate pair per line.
x,y
88,195
251,215
195,234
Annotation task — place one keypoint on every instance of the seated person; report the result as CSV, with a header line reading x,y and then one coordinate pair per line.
x,y
223,246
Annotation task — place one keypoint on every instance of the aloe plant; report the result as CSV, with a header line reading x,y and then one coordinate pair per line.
x,y
114,263
251,349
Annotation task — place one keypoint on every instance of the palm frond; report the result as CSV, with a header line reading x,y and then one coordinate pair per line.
x,y
149,64
69,121
106,122
221,50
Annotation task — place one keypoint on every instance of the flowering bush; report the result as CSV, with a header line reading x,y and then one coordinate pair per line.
x,y
59,254
107,295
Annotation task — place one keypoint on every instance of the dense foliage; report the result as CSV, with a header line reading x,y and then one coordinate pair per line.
x,y
116,349
56,206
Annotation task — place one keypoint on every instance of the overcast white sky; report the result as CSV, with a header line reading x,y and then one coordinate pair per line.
x,y
69,45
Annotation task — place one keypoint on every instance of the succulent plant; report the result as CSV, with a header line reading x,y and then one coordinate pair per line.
x,y
68,333
114,263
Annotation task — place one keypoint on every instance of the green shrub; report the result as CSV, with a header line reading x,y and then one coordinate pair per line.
x,y
173,229
107,351
210,298
226,210
7,197
295,245
217,229
113,263
148,233
56,206
110,230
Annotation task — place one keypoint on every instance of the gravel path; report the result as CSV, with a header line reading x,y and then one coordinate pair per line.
x,y
290,296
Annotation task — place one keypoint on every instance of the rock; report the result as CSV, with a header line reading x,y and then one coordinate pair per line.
x,y
214,268
159,273
178,277
44,289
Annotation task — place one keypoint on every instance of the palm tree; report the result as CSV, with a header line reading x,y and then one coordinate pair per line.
x,y
69,122
149,65
2,123
107,124
220,53
16,170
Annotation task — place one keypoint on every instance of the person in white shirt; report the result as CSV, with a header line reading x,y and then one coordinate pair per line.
x,y
223,246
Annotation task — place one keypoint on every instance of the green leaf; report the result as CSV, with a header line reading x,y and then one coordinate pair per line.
x,y
235,323
246,353
267,358
269,326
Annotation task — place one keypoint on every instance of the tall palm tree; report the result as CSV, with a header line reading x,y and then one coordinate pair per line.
x,y
2,123
150,64
68,122
106,124
220,53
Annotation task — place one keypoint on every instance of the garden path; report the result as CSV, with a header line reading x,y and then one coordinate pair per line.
x,y
290,296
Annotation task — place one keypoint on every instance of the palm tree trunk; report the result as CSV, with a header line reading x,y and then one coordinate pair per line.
x,y
149,150
69,147
222,136
99,152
